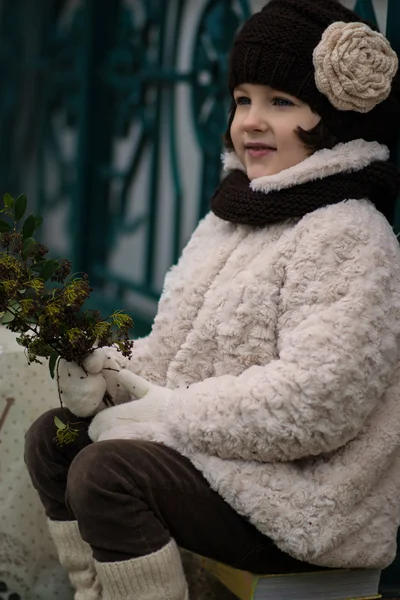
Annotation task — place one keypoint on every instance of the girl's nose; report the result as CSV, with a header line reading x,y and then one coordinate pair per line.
x,y
255,120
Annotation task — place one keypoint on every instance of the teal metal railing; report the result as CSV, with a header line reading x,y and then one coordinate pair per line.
x,y
79,80
102,71
366,10
104,75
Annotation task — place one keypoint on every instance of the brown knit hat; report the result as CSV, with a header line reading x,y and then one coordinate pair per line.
x,y
327,56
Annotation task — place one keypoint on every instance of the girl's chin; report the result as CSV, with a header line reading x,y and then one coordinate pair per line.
x,y
256,173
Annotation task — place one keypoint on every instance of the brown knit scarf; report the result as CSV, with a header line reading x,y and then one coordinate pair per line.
x,y
235,201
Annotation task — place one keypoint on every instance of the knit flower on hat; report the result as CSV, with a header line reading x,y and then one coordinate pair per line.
x,y
354,66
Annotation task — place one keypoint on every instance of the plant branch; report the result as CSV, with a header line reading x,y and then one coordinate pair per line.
x,y
34,330
51,320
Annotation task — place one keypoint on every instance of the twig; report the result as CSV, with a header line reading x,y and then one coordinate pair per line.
x,y
31,329
9,403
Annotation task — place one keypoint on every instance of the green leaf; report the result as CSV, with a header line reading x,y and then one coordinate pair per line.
x,y
38,264
4,226
28,227
59,424
20,207
38,221
27,247
48,269
52,363
7,318
21,342
8,200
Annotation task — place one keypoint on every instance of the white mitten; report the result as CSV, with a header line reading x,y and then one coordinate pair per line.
x,y
150,405
82,393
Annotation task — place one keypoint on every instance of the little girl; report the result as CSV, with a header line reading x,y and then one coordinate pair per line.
x,y
259,422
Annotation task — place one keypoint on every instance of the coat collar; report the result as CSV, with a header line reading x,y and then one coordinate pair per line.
x,y
343,158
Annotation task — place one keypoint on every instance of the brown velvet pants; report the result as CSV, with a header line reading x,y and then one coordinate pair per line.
x,y
130,497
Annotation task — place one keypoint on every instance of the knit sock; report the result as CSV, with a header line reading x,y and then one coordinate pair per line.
x,y
76,556
156,576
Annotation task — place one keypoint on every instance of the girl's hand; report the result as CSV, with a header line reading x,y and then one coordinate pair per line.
x,y
82,389
150,404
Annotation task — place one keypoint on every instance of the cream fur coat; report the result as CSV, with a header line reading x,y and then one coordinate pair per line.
x,y
282,347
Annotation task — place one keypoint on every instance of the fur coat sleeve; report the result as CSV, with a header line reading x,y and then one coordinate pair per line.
x,y
338,344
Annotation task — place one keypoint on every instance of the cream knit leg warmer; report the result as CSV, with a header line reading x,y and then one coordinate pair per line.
x,y
76,556
156,576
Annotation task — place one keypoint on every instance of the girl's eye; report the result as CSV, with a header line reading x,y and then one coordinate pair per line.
x,y
282,102
243,100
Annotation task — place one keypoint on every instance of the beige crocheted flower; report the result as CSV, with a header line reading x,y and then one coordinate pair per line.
x,y
354,66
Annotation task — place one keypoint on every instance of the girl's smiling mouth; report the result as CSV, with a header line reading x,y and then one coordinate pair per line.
x,y
258,150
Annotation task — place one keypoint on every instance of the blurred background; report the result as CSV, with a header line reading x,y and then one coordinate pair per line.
x,y
111,116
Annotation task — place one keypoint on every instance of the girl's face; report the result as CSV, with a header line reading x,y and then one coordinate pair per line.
x,y
264,126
